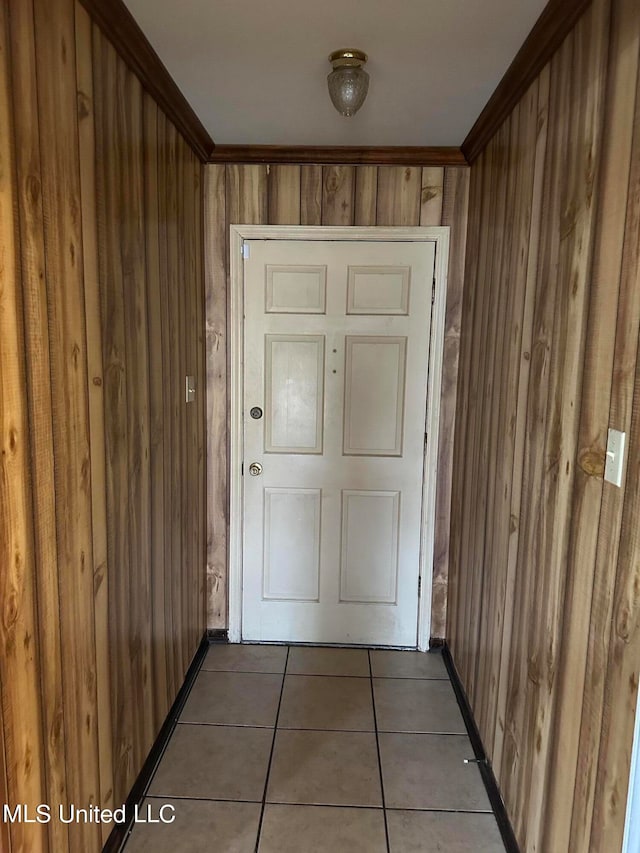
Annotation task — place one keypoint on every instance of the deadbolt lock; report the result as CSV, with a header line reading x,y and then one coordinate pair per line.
x,y
255,469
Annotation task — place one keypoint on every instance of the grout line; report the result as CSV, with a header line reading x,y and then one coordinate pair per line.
x,y
375,723
182,797
273,744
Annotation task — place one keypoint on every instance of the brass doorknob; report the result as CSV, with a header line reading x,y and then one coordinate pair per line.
x,y
255,469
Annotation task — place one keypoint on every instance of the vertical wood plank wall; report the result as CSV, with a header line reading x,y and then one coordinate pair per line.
x,y
322,195
102,491
544,571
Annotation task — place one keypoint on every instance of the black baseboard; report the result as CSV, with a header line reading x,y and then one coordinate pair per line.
x,y
436,643
121,831
486,771
218,635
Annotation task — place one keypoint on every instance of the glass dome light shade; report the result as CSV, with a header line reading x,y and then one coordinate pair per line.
x,y
348,82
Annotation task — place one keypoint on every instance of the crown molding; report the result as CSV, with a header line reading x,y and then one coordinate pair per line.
x,y
556,21
120,27
344,155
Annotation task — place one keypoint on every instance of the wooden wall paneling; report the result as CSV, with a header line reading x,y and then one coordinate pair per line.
x,y
156,413
607,365
621,686
87,148
22,715
184,497
525,681
311,195
587,62
36,342
492,429
247,193
115,402
284,195
432,193
554,436
201,555
338,189
192,408
167,320
457,573
529,252
475,407
514,362
366,195
455,200
399,195
55,61
481,584
130,219
217,407
176,386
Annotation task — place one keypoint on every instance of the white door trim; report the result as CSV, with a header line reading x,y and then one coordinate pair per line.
x,y
239,233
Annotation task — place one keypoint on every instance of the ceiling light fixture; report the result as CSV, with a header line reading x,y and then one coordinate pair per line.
x,y
348,82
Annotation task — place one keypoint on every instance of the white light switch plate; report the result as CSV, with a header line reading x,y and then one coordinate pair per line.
x,y
614,465
190,389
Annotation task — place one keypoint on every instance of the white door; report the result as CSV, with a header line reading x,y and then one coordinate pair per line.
x,y
336,357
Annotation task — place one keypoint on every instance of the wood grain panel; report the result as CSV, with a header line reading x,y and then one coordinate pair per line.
x,y
332,195
57,94
311,195
156,410
217,394
366,195
338,188
22,715
87,147
284,195
542,617
453,208
88,289
399,195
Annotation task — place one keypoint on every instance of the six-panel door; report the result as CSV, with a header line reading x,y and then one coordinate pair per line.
x,y
336,356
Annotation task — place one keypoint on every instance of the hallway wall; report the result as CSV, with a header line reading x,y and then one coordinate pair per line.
x,y
544,610
102,464
323,195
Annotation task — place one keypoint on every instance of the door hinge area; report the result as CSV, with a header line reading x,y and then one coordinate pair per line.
x,y
242,469
419,586
245,250
433,291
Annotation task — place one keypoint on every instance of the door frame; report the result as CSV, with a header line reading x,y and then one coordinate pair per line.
x,y
238,234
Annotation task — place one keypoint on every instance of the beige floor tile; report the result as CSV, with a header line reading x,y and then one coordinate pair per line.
x,y
416,705
305,660
443,832
233,698
218,762
428,772
327,768
395,664
199,827
237,657
326,702
321,829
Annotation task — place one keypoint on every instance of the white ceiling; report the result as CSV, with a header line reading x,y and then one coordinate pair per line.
x,y
254,72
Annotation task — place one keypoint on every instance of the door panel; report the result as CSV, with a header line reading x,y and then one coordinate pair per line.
x,y
374,395
294,393
291,544
336,344
369,559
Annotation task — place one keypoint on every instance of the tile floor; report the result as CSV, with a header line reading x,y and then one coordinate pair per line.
x,y
305,750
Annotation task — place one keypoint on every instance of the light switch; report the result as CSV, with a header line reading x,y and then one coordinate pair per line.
x,y
614,465
190,389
